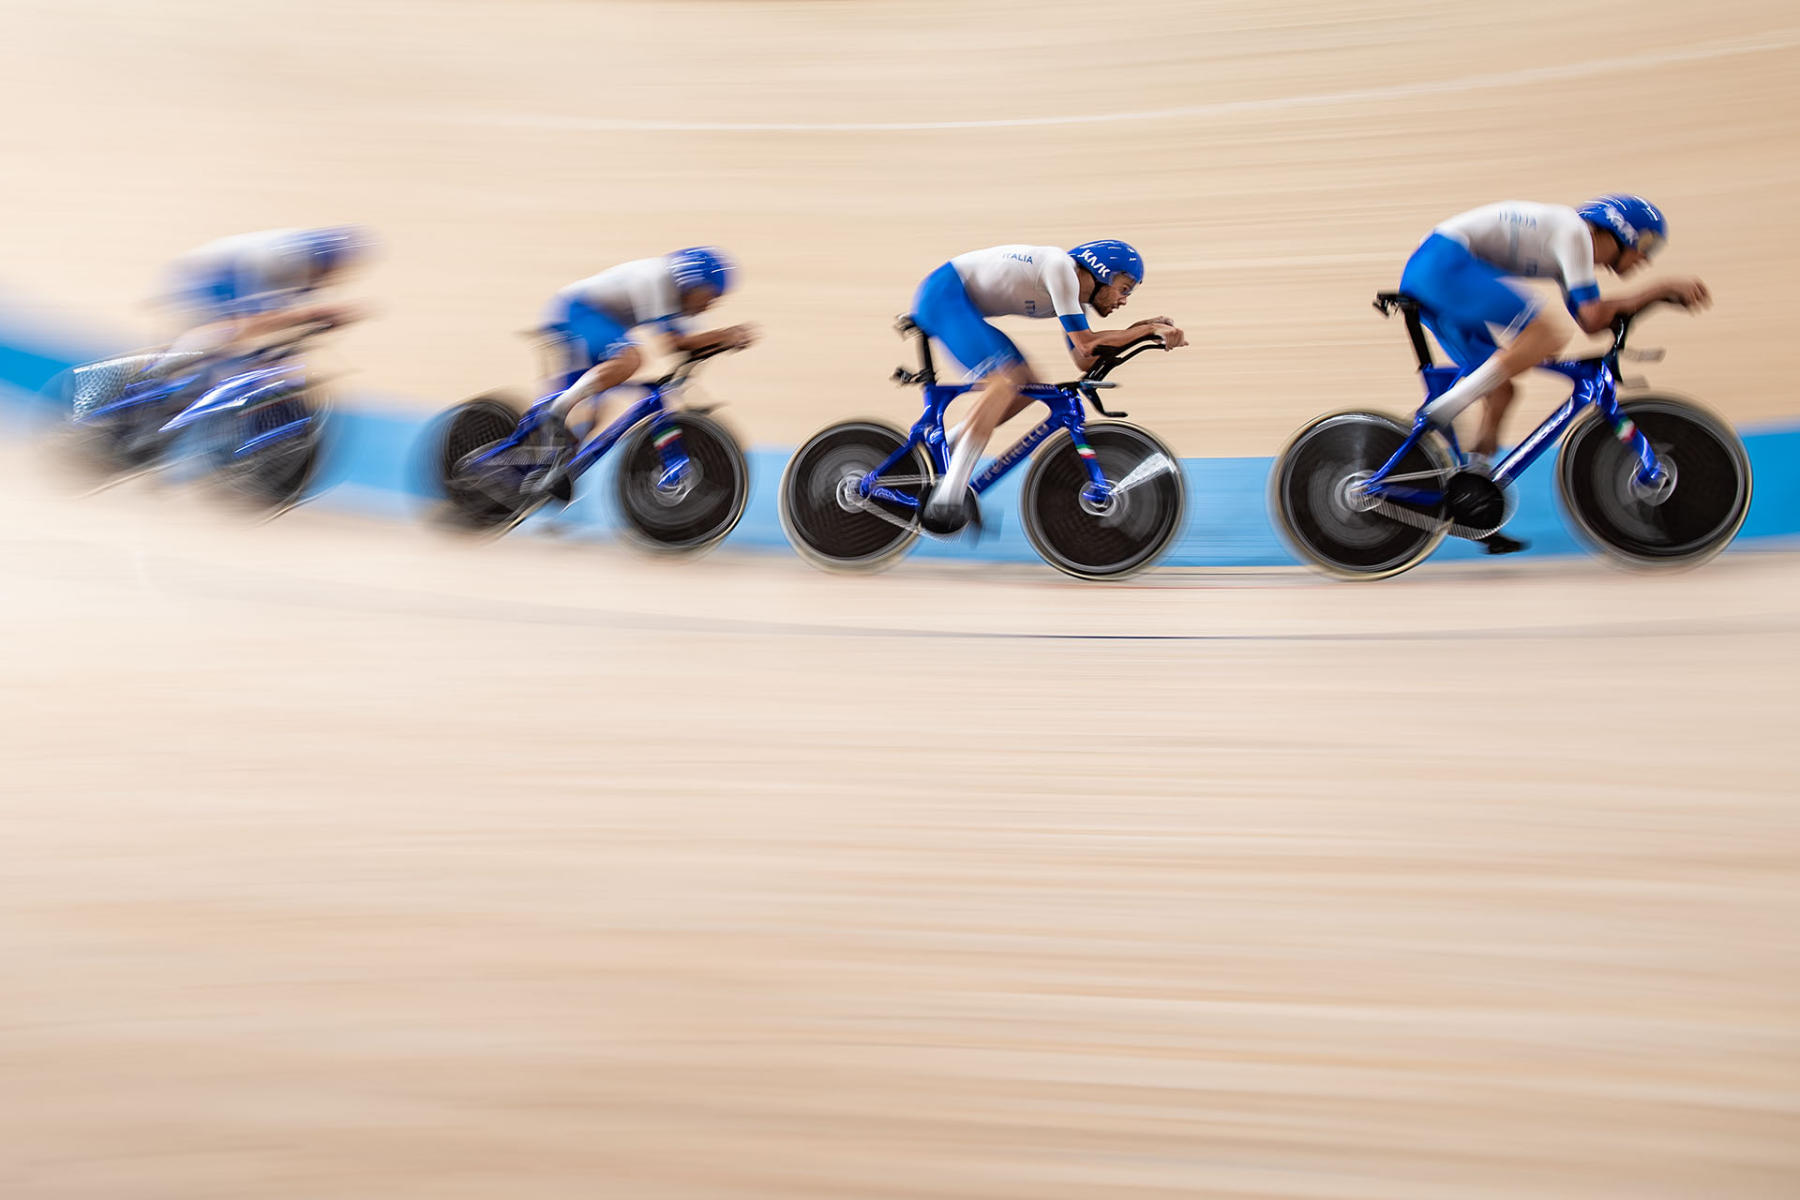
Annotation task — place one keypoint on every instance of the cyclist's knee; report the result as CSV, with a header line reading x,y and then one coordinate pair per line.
x,y
626,363
1006,380
1543,336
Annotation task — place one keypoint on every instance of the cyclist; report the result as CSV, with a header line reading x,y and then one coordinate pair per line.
x,y
1459,275
250,285
954,303
592,320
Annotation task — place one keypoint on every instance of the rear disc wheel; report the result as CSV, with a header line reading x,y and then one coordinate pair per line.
x,y
823,511
1316,497
478,495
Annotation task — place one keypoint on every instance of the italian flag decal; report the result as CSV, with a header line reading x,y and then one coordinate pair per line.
x,y
1083,449
1627,429
668,435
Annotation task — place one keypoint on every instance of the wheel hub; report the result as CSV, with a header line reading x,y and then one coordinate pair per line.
x,y
1102,505
676,485
1352,495
849,492
1654,492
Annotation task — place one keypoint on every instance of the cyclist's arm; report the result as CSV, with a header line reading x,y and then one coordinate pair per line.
x,y
261,324
734,337
1084,343
1596,315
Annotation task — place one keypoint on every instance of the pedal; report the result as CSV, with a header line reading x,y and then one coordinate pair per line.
x,y
1474,501
942,524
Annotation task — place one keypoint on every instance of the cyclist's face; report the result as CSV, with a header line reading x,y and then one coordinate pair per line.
x,y
1629,261
695,301
1114,296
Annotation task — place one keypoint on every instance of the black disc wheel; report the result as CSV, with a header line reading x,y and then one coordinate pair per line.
x,y
1111,536
1685,517
826,517
479,494
692,505
1317,502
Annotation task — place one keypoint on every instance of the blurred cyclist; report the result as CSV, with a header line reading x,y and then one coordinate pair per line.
x,y
1459,277
953,305
248,286
592,320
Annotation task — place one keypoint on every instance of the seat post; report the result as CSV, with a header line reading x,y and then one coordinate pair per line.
x,y
927,368
1387,302
1416,330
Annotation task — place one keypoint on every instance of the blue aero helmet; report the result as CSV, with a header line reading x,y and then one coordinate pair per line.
x,y
701,266
1637,223
336,247
1108,257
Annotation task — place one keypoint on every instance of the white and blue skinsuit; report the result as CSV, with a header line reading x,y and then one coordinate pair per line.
x,y
955,301
1459,273
596,315
247,274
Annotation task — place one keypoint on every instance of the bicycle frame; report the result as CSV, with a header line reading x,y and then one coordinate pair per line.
x,y
650,407
238,391
1595,383
1065,401
229,385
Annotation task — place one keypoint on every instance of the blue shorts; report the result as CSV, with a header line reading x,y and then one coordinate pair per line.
x,y
1463,299
591,335
943,310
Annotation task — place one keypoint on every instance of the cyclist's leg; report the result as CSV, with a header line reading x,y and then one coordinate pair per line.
x,y
944,311
603,357
1465,298
1470,349
996,401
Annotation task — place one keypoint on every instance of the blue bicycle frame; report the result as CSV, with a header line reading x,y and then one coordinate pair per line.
x,y
667,437
237,392
1595,383
1065,401
234,385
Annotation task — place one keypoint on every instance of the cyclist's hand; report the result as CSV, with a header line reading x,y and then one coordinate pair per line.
x,y
1689,293
1148,321
1171,335
740,337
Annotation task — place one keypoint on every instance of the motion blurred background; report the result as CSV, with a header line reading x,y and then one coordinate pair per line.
x,y
347,861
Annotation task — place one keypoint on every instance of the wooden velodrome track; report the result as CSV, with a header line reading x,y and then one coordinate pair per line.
x,y
344,860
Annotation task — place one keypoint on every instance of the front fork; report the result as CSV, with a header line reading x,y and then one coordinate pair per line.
x,y
1650,473
1098,492
665,435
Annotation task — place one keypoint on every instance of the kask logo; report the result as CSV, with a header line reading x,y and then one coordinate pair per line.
x,y
1101,271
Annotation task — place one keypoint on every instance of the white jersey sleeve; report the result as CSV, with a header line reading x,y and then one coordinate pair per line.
x,y
1022,281
1572,246
1531,240
1064,287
